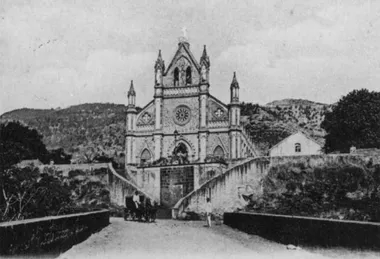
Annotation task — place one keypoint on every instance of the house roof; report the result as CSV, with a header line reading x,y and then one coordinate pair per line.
x,y
298,132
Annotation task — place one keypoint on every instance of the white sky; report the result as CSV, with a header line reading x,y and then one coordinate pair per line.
x,y
66,52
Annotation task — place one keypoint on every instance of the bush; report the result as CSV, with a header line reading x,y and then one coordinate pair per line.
x,y
340,191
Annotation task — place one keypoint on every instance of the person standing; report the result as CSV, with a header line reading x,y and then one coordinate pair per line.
x,y
136,199
208,211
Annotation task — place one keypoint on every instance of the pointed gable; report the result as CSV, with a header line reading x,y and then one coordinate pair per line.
x,y
183,69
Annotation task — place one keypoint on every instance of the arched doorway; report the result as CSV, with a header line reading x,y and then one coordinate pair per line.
x,y
219,152
146,157
181,153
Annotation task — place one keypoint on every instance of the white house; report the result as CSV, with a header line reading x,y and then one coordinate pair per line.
x,y
296,144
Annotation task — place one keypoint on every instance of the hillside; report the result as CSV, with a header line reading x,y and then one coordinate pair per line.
x,y
271,123
99,127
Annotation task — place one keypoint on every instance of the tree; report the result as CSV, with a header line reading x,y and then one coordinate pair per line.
x,y
58,156
354,121
25,193
17,143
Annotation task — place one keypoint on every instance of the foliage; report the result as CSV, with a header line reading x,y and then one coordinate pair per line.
x,y
248,109
18,142
354,121
58,156
346,191
270,124
27,194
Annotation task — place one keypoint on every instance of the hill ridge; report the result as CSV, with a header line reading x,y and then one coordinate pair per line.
x,y
101,126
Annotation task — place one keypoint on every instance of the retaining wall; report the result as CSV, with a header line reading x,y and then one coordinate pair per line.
x,y
56,233
306,230
227,189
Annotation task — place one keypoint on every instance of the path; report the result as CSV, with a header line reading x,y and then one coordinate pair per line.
x,y
180,239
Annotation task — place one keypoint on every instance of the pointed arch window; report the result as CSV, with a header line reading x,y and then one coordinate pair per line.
x,y
218,152
176,76
297,147
146,157
188,75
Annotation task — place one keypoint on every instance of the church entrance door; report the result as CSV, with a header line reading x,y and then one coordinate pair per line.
x,y
176,182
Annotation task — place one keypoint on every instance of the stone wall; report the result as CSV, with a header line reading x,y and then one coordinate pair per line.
x,y
307,230
120,188
148,179
228,189
218,139
50,234
66,168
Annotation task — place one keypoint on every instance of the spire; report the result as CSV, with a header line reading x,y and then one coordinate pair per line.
x,y
159,55
159,62
204,58
234,83
131,91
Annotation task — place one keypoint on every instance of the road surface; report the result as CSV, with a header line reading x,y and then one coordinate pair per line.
x,y
189,239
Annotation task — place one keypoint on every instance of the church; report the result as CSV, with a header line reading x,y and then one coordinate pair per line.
x,y
184,120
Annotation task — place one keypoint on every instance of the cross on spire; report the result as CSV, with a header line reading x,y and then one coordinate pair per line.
x,y
184,31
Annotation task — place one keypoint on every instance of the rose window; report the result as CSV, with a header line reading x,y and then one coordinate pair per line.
x,y
182,115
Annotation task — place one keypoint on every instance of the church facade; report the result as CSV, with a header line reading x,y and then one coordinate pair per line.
x,y
184,120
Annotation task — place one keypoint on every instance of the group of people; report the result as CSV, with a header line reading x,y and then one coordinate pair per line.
x,y
208,207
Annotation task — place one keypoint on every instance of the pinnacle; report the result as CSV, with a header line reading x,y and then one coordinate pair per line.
x,y
204,54
131,89
204,58
159,62
234,82
159,55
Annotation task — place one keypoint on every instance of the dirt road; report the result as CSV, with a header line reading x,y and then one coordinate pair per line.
x,y
179,239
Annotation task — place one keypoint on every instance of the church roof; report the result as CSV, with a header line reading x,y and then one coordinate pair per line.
x,y
186,46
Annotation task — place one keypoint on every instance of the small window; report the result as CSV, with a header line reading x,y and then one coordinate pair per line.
x,y
188,76
297,147
176,76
